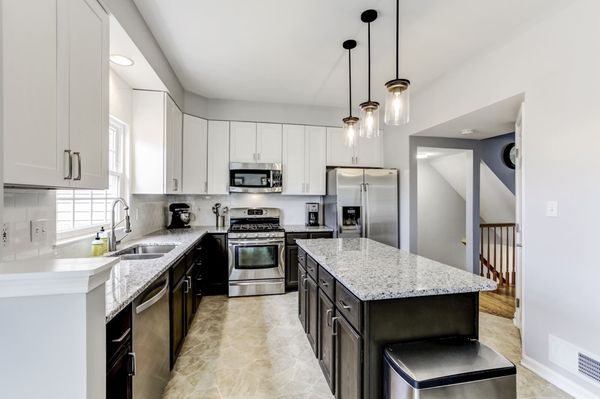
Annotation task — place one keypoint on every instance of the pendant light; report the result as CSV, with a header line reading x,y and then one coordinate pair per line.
x,y
350,121
369,110
397,106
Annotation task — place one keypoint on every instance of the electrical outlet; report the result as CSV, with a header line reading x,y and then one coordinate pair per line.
x,y
38,230
5,236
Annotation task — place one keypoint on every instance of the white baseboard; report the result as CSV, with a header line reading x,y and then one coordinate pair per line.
x,y
557,379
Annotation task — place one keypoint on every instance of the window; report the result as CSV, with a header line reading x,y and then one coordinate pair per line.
x,y
84,211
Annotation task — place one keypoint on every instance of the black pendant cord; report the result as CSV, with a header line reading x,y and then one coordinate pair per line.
x,y
369,55
397,38
350,81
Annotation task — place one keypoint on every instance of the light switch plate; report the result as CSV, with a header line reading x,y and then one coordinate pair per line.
x,y
552,209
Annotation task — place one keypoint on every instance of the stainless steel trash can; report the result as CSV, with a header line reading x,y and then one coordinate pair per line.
x,y
448,369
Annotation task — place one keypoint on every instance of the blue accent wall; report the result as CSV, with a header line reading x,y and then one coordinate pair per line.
x,y
491,154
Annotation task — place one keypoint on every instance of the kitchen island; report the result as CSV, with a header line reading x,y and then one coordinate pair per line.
x,y
357,296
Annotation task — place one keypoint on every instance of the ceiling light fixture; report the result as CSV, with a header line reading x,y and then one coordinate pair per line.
x,y
466,132
397,102
369,110
121,60
350,121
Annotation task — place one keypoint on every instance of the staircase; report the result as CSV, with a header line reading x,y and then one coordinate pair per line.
x,y
497,255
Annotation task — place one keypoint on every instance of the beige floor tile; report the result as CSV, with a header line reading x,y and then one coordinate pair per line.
x,y
254,348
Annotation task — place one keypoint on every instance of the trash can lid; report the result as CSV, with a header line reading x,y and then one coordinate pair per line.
x,y
441,362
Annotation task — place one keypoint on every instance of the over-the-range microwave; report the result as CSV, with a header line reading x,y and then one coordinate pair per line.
x,y
254,177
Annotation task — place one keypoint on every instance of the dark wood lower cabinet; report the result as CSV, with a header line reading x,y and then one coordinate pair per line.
x,y
291,267
312,316
302,277
119,376
189,299
178,299
326,352
215,261
348,360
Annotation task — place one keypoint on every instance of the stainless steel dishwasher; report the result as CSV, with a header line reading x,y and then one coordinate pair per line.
x,y
151,340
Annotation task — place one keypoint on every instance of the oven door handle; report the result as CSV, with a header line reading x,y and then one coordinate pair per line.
x,y
258,242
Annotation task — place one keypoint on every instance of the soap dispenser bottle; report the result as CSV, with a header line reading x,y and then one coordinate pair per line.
x,y
104,239
97,246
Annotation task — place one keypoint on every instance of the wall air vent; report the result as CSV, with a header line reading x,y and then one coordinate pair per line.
x,y
589,367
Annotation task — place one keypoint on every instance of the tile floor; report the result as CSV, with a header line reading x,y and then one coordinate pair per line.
x,y
254,348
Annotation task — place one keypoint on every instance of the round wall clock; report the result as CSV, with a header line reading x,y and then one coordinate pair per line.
x,y
509,155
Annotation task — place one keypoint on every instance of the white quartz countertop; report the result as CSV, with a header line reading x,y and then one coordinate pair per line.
x,y
300,228
129,278
375,271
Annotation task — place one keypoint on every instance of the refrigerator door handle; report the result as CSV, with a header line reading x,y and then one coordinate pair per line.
x,y
367,216
362,219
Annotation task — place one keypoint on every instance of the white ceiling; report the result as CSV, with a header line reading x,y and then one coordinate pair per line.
x,y
140,75
493,120
291,51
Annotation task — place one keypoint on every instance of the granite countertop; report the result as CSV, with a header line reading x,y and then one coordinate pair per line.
x,y
300,228
375,271
130,278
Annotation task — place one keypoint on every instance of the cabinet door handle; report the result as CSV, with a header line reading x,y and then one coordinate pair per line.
x,y
78,155
307,187
258,156
122,337
324,283
206,187
70,175
344,305
133,364
174,184
328,314
333,326
187,286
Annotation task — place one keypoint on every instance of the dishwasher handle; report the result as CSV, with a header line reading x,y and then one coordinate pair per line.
x,y
139,309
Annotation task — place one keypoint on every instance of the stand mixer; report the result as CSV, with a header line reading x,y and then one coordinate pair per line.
x,y
180,216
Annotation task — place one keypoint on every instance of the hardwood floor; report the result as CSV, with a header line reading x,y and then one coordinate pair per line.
x,y
499,303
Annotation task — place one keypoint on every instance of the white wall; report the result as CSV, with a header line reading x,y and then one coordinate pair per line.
x,y
555,63
441,217
262,112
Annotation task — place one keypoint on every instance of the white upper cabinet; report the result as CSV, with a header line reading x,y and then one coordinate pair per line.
x,y
304,158
369,152
55,77
268,142
338,153
88,93
218,157
294,160
174,147
156,143
195,150
364,153
255,142
243,142
316,160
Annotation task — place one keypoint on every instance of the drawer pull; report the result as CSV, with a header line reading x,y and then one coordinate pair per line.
x,y
344,305
122,337
324,283
328,314
333,324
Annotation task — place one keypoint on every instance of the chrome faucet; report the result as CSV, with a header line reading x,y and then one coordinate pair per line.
x,y
112,242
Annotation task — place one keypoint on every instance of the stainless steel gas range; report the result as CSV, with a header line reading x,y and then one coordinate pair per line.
x,y
256,244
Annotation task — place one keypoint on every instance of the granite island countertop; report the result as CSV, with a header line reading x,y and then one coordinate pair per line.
x,y
129,278
375,271
300,228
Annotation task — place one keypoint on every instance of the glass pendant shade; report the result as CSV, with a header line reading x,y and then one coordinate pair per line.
x,y
397,102
369,119
350,132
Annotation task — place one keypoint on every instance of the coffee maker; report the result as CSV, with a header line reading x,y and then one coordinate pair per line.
x,y
312,213
180,216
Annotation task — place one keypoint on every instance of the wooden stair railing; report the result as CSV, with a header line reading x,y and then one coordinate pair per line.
x,y
497,255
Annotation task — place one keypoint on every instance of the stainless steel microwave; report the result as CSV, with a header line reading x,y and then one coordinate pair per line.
x,y
254,177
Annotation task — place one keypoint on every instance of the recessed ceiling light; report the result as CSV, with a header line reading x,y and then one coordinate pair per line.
x,y
121,60
466,132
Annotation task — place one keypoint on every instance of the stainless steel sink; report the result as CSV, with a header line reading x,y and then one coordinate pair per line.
x,y
140,256
146,249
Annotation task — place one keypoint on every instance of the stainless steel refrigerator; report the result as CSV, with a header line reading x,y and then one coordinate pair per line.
x,y
363,203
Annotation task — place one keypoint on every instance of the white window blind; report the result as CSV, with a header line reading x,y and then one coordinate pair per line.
x,y
83,211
